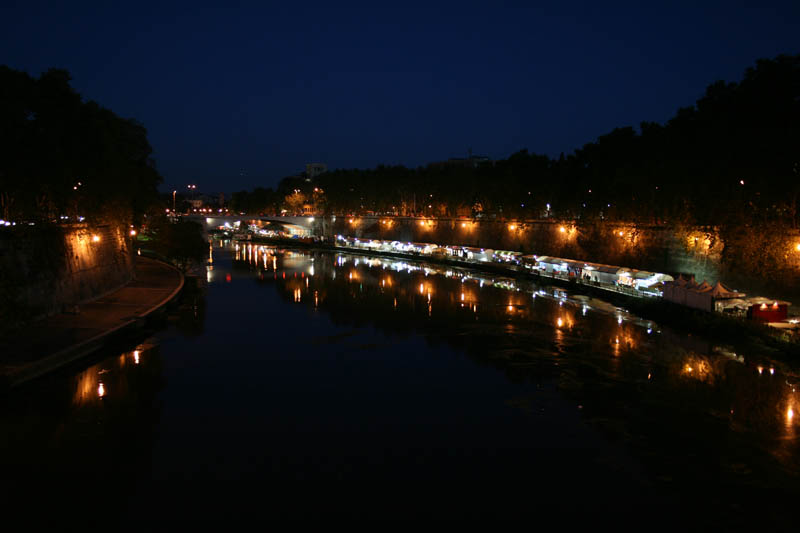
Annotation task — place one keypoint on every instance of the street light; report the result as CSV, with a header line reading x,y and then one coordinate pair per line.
x,y
173,201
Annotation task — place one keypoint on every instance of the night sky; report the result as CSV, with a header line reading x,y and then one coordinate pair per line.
x,y
235,98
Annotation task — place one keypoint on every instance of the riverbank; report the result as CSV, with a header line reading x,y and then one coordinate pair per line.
x,y
50,343
731,330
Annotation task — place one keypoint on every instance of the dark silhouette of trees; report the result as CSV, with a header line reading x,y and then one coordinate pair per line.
x,y
732,159
61,156
180,242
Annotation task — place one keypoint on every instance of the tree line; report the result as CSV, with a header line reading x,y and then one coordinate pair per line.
x,y
62,157
731,158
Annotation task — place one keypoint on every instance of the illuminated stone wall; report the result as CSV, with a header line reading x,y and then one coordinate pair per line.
x,y
699,251
51,270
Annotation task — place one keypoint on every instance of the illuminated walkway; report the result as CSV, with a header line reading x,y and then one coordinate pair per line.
x,y
57,340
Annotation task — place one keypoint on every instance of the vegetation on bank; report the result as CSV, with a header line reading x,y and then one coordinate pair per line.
x,y
181,243
732,158
725,173
63,158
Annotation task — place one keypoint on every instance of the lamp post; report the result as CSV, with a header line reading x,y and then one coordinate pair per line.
x,y
173,201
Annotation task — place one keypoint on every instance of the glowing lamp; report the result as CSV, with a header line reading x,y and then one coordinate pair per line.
x,y
95,238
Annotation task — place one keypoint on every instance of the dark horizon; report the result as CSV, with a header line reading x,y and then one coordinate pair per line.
x,y
234,99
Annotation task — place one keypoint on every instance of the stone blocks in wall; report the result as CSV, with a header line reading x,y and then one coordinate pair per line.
x,y
49,270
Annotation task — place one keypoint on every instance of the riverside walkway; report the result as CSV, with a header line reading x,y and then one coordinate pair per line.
x,y
55,341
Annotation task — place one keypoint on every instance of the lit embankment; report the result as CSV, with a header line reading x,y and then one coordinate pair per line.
x,y
46,271
751,262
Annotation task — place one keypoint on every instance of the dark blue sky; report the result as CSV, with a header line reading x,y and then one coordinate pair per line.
x,y
238,97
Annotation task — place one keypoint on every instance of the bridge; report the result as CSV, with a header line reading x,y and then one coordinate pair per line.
x,y
292,224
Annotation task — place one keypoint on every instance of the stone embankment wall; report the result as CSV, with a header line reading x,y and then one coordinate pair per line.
x,y
669,249
50,270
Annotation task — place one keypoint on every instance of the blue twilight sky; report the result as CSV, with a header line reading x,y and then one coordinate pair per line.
x,y
235,97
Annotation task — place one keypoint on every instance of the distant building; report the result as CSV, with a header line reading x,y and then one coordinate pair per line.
x,y
315,169
206,200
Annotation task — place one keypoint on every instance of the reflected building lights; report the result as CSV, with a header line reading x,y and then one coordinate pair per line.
x,y
500,304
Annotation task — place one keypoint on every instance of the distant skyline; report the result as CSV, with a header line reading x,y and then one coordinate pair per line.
x,y
238,98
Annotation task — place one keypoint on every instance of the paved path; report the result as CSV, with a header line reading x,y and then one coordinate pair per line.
x,y
55,341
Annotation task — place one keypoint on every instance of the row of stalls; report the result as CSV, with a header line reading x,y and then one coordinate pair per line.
x,y
464,253
610,275
683,291
647,282
686,291
719,298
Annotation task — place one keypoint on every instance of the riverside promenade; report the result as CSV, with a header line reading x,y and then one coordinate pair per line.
x,y
55,341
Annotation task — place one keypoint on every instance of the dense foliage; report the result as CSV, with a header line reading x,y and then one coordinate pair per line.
x,y
731,158
61,156
180,242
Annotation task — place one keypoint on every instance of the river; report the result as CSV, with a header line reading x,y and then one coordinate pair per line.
x,y
321,385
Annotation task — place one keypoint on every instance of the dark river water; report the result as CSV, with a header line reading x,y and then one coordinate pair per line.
x,y
306,385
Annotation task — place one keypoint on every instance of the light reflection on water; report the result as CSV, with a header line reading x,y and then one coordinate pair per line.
x,y
692,411
620,345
